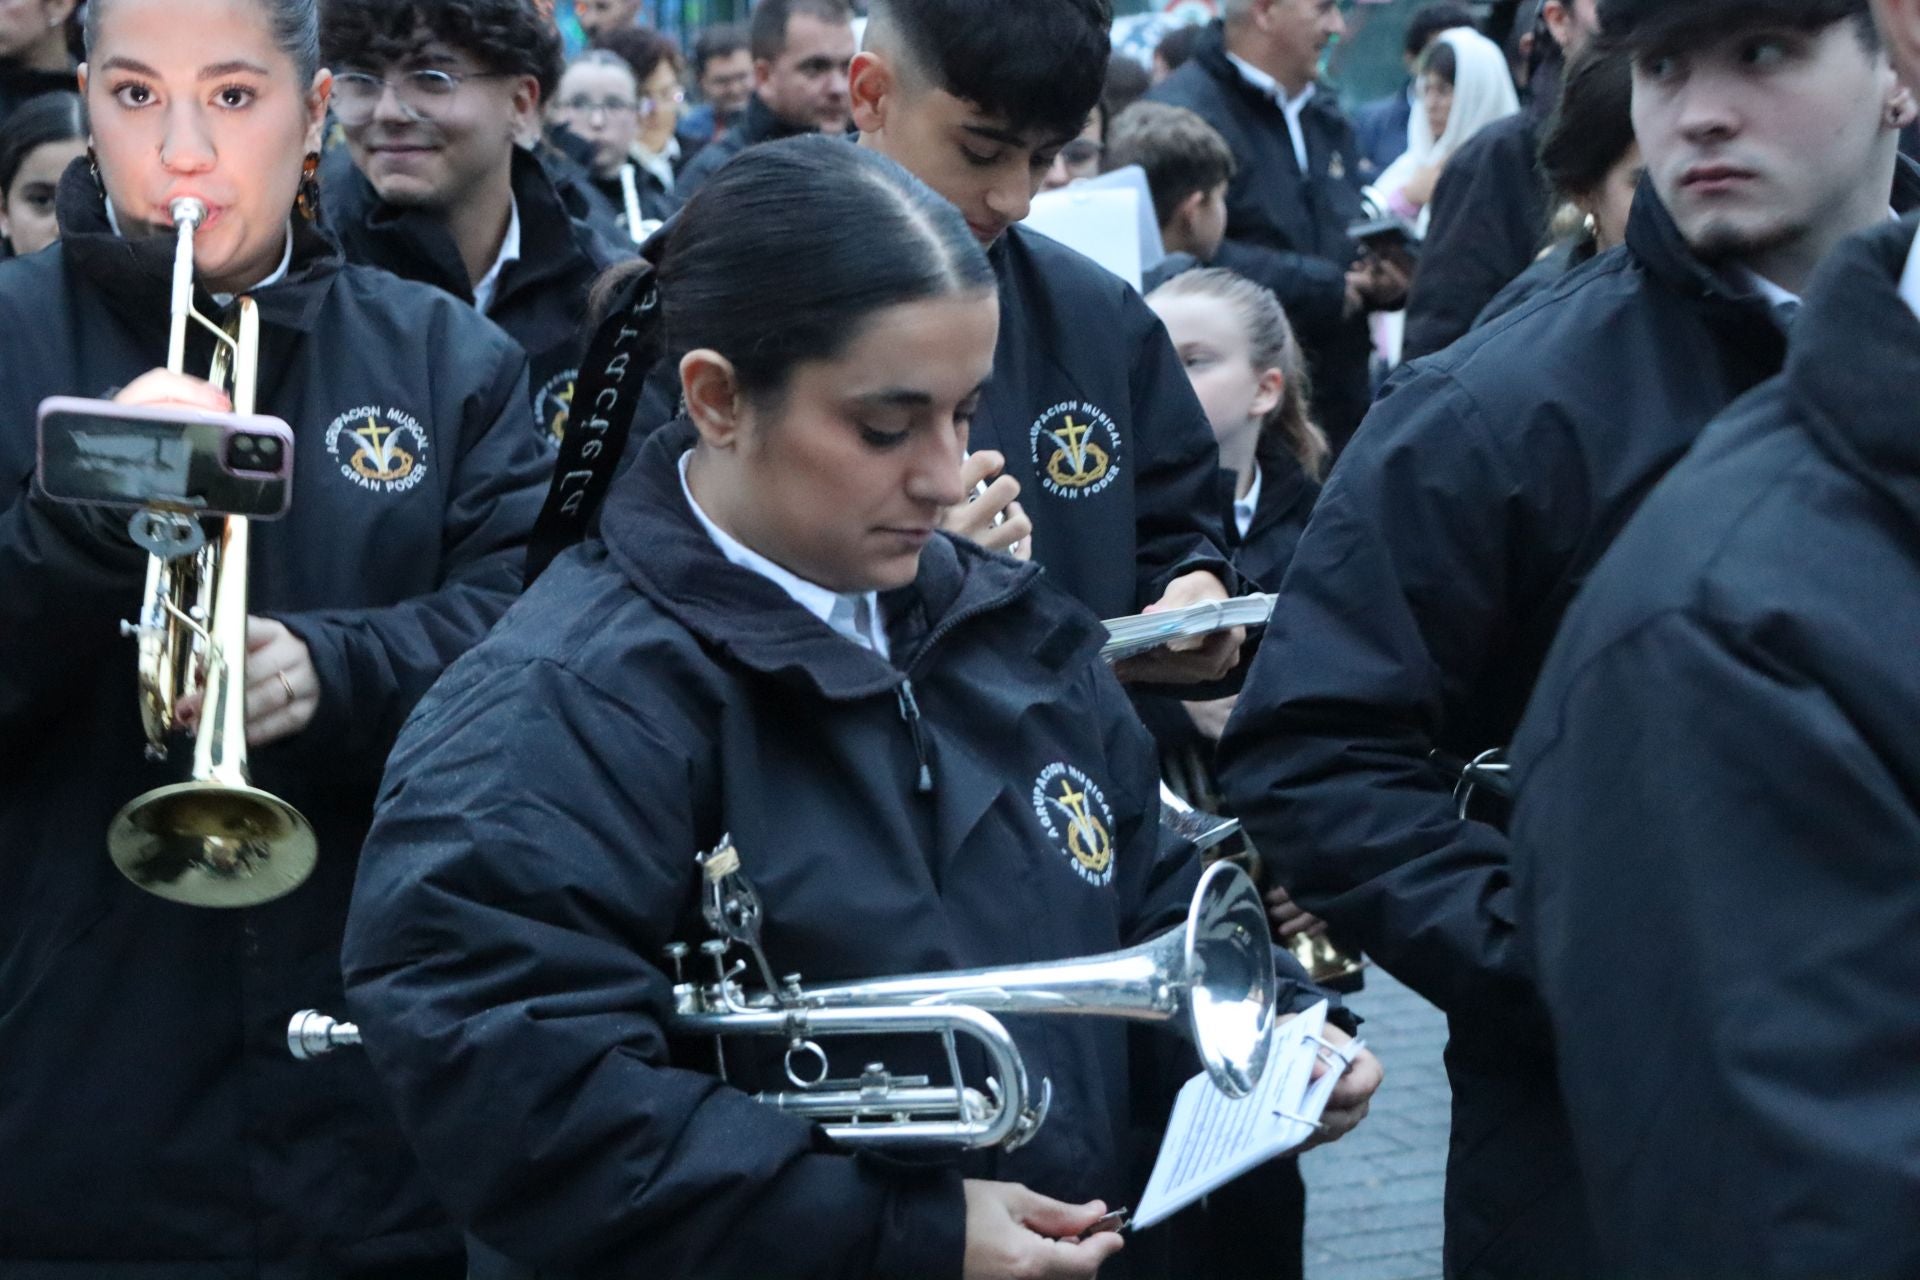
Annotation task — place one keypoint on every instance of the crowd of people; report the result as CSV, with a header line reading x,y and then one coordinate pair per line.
x,y
704,475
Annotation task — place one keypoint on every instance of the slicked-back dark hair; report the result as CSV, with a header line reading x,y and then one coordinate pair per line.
x,y
767,36
295,25
1592,127
1644,25
511,37
1036,64
770,224
50,117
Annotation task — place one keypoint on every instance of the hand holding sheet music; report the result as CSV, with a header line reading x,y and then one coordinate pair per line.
x,y
1142,632
1213,1139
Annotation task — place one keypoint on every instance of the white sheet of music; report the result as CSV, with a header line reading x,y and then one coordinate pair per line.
x,y
1213,1139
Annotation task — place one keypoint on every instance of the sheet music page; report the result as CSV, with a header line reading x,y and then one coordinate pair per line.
x,y
1143,631
1212,1139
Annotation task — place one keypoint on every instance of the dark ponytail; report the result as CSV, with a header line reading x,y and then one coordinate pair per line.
x,y
781,258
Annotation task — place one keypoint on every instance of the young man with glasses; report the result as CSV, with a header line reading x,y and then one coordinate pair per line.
x,y
434,96
801,52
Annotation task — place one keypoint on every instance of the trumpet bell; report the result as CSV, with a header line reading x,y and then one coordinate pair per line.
x,y
209,844
1231,993
1325,963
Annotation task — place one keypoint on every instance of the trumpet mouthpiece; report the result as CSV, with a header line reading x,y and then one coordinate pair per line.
x,y
187,211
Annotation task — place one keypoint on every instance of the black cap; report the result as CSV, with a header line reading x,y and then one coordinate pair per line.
x,y
1644,24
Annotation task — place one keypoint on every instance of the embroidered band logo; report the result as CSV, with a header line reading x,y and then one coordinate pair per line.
x,y
554,403
1076,449
1074,813
383,450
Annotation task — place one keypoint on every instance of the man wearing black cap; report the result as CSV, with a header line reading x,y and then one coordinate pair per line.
x,y
1714,842
1485,485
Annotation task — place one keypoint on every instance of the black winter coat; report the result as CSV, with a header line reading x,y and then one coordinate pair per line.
x,y
1417,611
1486,223
1297,223
1714,842
534,852
1546,271
541,300
757,124
1081,358
154,1126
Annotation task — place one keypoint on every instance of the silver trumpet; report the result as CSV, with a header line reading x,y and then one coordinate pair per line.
x,y
1325,963
1215,973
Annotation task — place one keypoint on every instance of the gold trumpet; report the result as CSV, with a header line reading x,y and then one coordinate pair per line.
x,y
1325,963
216,840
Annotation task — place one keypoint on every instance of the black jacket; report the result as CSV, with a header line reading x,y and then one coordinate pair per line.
x,y
1079,349
534,852
1714,839
657,204
1297,222
154,1126
1546,271
541,300
757,124
1486,223
19,84
1417,611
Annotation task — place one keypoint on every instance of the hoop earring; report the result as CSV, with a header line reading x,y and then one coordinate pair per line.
x,y
307,202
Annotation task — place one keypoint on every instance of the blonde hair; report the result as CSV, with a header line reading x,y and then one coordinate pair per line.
x,y
1270,345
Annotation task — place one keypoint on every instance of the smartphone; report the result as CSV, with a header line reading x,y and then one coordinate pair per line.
x,y
98,453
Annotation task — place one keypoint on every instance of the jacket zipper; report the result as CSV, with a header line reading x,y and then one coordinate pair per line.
x,y
910,712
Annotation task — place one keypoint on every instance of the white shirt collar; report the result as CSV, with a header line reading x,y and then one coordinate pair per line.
x,y
1910,281
1244,508
1289,107
274,277
659,163
509,252
839,612
1776,297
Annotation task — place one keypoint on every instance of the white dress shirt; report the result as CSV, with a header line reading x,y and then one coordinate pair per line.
x,y
659,163
1910,281
1289,107
857,617
1244,508
509,252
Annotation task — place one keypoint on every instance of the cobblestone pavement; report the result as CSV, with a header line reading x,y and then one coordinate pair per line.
x,y
1373,1198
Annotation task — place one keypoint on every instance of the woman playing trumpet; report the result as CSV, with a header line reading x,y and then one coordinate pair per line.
x,y
920,758
151,1123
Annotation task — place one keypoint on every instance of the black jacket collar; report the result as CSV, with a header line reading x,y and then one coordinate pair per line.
x,y
759,124
136,275
1655,239
655,539
1855,362
415,244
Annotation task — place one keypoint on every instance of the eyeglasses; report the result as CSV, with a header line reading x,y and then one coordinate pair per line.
x,y
421,94
601,106
585,108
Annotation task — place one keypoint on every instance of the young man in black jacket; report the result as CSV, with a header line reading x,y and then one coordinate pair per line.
x,y
1297,190
1088,408
1716,817
801,52
1484,487
433,95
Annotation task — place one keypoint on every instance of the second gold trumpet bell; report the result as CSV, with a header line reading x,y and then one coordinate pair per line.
x,y
1325,963
208,844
